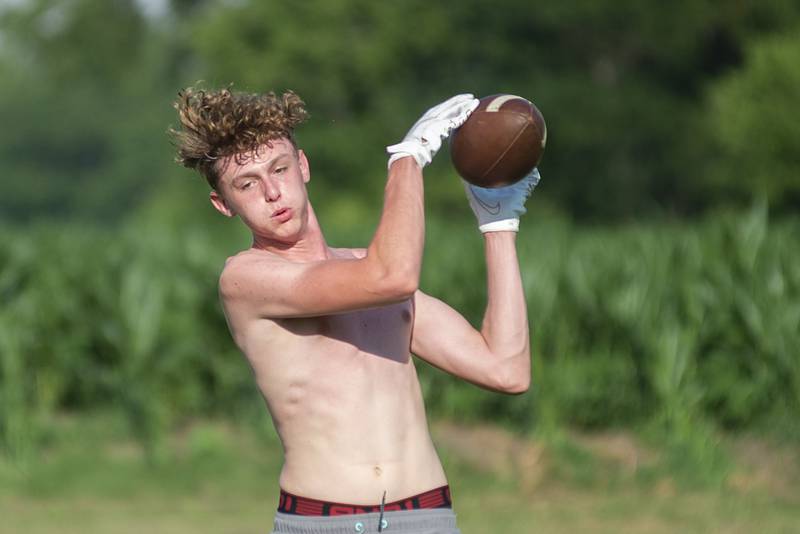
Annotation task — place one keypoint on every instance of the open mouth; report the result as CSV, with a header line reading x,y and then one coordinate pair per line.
x,y
283,214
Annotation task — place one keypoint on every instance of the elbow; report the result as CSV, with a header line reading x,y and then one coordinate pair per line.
x,y
518,387
400,287
513,376
398,284
392,279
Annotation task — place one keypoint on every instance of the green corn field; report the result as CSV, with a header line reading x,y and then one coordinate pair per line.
x,y
673,325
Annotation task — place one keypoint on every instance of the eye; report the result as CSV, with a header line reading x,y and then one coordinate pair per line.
x,y
280,170
246,185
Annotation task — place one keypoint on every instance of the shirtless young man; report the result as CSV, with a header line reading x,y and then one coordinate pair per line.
x,y
329,332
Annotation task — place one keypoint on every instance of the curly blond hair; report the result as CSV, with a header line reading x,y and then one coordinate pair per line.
x,y
222,123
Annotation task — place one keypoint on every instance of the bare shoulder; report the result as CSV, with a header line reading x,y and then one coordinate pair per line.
x,y
265,266
245,259
268,285
249,256
239,268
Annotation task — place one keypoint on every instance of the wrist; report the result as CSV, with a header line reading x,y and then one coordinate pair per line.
x,y
402,161
406,155
503,225
409,149
499,240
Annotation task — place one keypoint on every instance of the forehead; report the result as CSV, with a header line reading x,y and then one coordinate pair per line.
x,y
231,166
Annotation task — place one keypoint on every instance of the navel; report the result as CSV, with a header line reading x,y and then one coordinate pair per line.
x,y
378,471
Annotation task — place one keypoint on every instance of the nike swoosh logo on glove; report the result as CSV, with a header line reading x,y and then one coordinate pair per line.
x,y
494,210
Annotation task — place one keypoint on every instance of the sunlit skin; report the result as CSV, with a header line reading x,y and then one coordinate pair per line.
x,y
329,332
268,192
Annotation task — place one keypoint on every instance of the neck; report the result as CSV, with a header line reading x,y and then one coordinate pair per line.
x,y
311,246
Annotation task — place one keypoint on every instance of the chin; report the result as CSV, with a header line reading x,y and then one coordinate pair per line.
x,y
286,240
284,236
288,233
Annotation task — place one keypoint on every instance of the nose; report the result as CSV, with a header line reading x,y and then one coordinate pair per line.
x,y
271,191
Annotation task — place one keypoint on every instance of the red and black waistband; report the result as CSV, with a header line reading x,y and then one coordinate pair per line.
x,y
293,504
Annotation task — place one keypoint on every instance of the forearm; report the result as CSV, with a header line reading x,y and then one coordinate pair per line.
x,y
505,322
398,243
395,253
496,357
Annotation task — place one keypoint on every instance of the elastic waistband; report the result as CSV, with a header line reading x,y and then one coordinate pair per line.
x,y
296,505
441,520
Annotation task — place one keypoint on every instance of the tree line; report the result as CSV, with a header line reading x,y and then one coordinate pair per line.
x,y
653,109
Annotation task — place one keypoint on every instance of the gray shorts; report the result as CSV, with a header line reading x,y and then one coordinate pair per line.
x,y
423,521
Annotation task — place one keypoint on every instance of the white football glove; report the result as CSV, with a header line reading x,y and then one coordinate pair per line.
x,y
424,139
498,209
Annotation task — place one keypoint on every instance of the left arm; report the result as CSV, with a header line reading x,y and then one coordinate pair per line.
x,y
498,356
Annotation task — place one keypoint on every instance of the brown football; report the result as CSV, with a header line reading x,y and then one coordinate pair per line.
x,y
500,143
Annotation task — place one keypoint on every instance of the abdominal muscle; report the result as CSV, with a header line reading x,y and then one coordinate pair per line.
x,y
346,402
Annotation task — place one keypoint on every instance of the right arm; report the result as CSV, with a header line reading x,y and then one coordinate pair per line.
x,y
269,287
389,272
498,356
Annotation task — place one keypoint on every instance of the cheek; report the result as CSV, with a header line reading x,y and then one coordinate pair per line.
x,y
250,196
298,189
245,205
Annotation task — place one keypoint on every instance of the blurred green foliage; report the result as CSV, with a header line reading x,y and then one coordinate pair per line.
x,y
748,118
667,325
652,108
654,111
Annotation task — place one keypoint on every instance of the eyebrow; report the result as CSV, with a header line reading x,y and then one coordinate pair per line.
x,y
269,164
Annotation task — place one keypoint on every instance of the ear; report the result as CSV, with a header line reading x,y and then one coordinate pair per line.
x,y
304,168
219,203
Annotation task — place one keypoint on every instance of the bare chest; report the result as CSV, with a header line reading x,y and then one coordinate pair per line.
x,y
384,332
